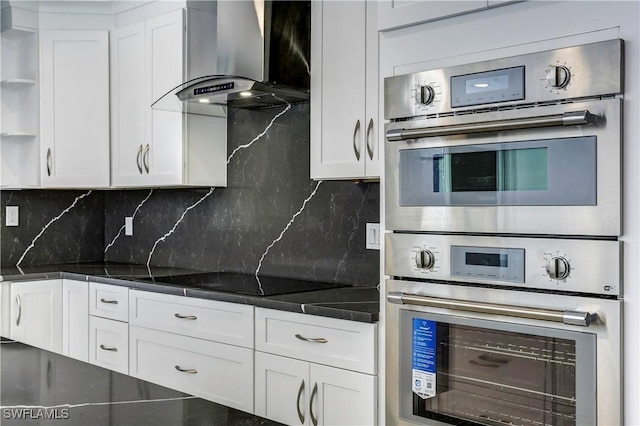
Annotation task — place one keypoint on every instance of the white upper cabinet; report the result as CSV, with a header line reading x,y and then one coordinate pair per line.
x,y
74,109
344,90
401,13
161,147
394,14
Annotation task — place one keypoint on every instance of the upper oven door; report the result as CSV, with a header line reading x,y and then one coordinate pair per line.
x,y
543,170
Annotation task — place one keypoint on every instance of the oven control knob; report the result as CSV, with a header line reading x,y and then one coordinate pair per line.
x,y
426,94
425,259
558,76
558,268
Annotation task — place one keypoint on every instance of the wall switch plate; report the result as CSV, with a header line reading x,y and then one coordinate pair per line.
x,y
13,216
373,236
128,226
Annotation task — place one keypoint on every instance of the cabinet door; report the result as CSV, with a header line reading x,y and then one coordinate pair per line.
x,y
341,397
36,314
130,106
75,319
338,124
282,389
162,153
74,109
395,14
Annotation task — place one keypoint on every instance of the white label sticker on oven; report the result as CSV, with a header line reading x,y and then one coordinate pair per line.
x,y
424,358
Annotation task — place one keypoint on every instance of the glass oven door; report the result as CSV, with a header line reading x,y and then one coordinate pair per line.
x,y
456,370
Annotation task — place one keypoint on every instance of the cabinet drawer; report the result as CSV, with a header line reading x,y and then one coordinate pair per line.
x,y
206,319
214,371
345,344
109,344
109,301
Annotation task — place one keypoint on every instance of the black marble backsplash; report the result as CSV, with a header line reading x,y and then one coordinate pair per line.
x,y
270,218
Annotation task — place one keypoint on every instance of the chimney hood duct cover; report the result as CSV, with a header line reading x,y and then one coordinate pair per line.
x,y
262,50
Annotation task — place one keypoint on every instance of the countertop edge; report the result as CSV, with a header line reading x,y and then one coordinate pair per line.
x,y
315,309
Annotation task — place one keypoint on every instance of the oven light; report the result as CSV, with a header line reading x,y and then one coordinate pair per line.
x,y
204,100
481,85
246,94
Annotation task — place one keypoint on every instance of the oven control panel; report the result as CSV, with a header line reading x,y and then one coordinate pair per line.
x,y
536,263
548,76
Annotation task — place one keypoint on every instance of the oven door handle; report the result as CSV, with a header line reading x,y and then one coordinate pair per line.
x,y
575,118
566,317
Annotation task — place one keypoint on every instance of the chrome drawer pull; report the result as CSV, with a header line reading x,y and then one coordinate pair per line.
x,y
583,319
104,348
188,370
189,317
19,303
314,420
312,339
300,390
111,302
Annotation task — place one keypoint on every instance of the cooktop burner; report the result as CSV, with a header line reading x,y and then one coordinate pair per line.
x,y
230,282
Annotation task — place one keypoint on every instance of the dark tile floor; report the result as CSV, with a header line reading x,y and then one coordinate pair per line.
x,y
42,388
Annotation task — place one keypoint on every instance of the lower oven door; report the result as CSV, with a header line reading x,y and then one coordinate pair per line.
x,y
459,363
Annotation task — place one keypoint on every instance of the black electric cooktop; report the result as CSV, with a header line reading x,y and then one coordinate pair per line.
x,y
248,284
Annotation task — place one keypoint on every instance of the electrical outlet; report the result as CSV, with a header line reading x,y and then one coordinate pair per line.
x,y
128,226
13,216
373,236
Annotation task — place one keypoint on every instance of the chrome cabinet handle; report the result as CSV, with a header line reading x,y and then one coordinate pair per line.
x,y
186,370
19,303
312,339
355,145
369,145
566,317
104,348
139,159
314,420
111,302
300,390
145,158
575,118
189,317
48,161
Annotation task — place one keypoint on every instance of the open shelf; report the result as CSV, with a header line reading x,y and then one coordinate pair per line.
x,y
17,83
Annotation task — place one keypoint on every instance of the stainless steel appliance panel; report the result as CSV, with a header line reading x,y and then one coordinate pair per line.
x,y
599,219
574,72
594,377
582,266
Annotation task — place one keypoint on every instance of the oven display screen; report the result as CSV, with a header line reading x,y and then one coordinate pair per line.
x,y
487,259
487,87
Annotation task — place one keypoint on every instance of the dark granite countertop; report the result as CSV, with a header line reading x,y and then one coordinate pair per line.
x,y
350,303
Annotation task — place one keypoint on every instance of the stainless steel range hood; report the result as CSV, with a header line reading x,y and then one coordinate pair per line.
x,y
262,51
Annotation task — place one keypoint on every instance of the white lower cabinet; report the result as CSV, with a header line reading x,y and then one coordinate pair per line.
x,y
75,319
198,346
214,371
314,370
36,313
296,392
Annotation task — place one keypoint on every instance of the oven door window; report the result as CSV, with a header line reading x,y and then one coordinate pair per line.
x,y
551,172
494,373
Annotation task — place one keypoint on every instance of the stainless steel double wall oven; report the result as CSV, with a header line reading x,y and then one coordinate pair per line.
x,y
503,192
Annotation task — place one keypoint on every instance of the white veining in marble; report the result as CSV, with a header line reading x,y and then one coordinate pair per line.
x,y
273,243
240,147
90,404
42,231
133,216
165,236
